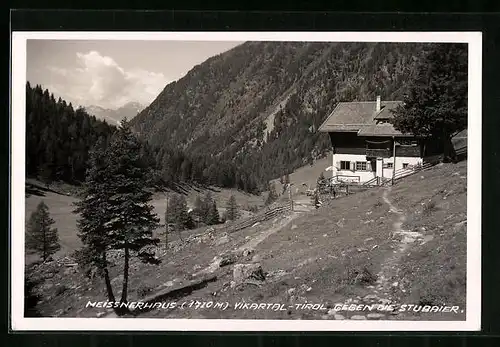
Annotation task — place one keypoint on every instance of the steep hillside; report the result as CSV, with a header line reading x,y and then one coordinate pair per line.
x,y
259,104
397,245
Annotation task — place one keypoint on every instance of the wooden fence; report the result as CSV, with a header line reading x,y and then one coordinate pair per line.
x,y
269,213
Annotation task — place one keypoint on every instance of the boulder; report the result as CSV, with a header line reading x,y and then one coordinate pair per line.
x,y
243,272
222,240
227,259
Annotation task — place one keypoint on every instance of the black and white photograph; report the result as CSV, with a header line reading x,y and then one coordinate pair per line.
x,y
246,181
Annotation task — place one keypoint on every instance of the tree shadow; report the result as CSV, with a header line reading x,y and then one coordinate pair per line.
x,y
39,190
33,190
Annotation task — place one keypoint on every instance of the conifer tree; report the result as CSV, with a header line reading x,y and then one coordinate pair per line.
x,y
213,214
232,211
436,104
178,213
198,208
272,195
40,236
206,206
132,218
93,223
118,189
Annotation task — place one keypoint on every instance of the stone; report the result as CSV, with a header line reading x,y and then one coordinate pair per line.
x,y
222,240
370,297
338,317
256,258
169,284
384,301
395,284
375,315
227,259
247,252
100,314
243,272
294,226
358,317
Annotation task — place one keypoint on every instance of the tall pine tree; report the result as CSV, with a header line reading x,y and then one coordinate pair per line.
x,y
213,216
125,221
436,105
272,195
131,219
40,237
232,211
93,223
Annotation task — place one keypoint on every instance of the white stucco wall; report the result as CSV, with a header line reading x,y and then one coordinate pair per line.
x,y
363,175
368,175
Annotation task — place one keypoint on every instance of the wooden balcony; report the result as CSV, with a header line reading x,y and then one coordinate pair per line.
x,y
378,153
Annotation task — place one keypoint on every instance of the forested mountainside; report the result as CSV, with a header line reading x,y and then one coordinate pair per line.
x,y
59,138
258,105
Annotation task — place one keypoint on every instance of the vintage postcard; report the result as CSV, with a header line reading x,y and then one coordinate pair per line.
x,y
246,181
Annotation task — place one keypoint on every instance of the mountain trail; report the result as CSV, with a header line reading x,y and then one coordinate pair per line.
x,y
381,295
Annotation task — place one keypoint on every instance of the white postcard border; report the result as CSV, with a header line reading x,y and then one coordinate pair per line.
x,y
18,126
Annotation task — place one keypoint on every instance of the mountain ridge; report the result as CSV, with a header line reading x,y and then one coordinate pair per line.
x,y
128,110
258,104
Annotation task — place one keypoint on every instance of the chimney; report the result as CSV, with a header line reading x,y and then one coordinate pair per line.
x,y
378,103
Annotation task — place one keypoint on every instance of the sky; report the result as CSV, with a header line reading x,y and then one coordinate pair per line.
x,y
112,73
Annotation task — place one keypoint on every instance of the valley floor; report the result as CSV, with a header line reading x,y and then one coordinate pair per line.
x,y
386,246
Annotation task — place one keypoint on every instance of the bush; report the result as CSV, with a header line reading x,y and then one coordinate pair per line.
x,y
359,275
61,289
429,207
143,290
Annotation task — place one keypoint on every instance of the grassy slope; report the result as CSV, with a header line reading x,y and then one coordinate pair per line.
x,y
316,253
61,207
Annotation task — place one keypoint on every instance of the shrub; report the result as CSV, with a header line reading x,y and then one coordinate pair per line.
x,y
61,289
143,290
430,207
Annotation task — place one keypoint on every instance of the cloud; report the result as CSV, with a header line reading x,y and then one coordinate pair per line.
x,y
99,80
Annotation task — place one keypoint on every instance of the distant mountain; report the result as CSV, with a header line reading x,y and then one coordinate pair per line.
x,y
257,105
114,116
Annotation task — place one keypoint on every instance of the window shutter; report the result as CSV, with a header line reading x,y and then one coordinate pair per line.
x,y
353,166
368,166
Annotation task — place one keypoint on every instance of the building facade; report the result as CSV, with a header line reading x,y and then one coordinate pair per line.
x,y
365,145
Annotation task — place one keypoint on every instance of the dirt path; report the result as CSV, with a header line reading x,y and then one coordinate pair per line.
x,y
254,242
381,292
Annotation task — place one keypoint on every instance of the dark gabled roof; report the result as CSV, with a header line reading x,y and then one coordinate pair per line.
x,y
361,117
385,112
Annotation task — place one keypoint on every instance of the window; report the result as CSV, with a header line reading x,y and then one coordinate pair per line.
x,y
345,165
411,143
361,166
389,165
405,165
